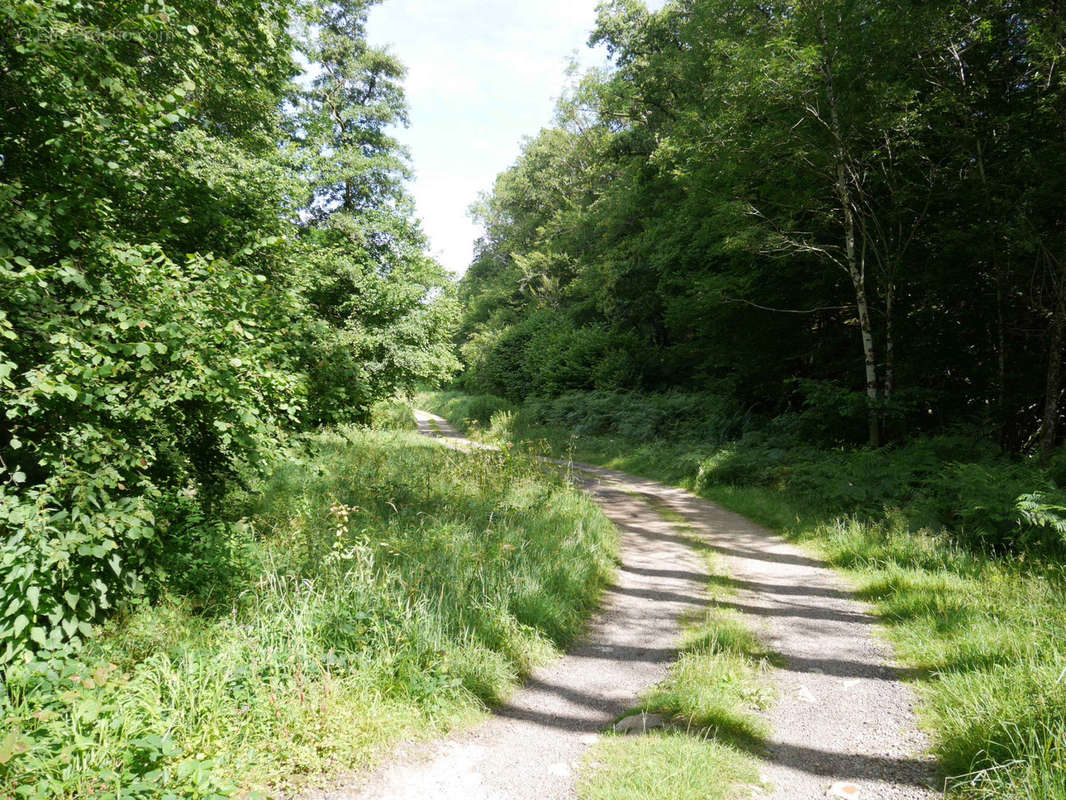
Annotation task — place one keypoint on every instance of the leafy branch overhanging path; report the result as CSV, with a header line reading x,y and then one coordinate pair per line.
x,y
843,718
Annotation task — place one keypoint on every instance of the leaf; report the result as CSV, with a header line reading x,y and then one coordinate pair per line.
x,y
33,594
192,29
37,635
21,621
11,746
89,710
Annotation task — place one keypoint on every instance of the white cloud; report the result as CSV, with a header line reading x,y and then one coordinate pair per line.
x,y
481,75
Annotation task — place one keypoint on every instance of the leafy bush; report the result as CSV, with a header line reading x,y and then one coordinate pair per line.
x,y
395,415
988,502
164,322
145,380
1000,507
547,354
672,417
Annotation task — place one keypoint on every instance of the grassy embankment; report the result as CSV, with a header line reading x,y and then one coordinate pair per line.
x,y
960,548
381,587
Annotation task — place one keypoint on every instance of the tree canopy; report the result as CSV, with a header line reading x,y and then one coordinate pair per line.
x,y
844,202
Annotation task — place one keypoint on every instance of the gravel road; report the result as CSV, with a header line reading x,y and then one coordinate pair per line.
x,y
843,725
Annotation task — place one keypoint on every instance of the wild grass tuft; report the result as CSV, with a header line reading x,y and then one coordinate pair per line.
x,y
669,766
394,415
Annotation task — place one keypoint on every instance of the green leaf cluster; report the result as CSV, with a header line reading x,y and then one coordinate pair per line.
x,y
177,290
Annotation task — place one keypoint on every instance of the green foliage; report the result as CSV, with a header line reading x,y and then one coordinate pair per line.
x,y
753,201
468,412
165,323
130,393
627,415
547,354
341,118
45,702
1043,512
395,415
371,329
639,416
987,503
383,587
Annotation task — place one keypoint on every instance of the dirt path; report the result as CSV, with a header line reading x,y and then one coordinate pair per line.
x,y
843,724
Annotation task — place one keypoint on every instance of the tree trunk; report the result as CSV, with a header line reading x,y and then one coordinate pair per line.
x,y
890,344
1048,426
859,280
856,266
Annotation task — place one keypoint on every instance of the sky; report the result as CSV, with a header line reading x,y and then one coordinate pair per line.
x,y
481,74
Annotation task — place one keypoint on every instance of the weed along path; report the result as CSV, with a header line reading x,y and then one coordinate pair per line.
x,y
841,724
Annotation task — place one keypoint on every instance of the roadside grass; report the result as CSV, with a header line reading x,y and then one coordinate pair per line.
x,y
711,697
986,630
671,766
381,587
395,414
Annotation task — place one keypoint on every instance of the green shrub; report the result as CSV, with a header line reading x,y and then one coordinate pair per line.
x,y
988,502
145,381
547,354
1001,507
639,417
394,415
164,320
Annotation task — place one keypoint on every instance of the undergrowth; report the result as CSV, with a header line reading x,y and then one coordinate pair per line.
x,y
379,587
961,549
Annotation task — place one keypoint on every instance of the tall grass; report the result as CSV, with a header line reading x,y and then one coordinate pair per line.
x,y
386,587
939,533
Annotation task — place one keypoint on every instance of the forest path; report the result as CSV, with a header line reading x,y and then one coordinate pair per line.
x,y
842,725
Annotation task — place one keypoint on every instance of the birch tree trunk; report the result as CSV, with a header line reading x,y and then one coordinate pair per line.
x,y
1048,425
856,266
890,344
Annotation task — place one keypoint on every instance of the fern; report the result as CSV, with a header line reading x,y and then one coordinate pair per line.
x,y
1043,510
